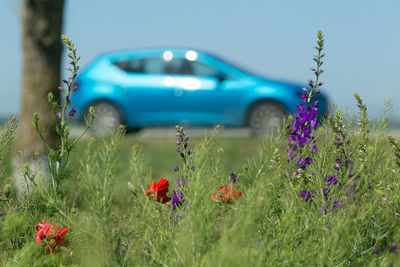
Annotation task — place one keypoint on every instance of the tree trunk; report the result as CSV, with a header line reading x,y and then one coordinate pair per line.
x,y
41,22
42,46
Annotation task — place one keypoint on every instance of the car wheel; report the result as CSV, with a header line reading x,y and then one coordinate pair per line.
x,y
264,117
107,119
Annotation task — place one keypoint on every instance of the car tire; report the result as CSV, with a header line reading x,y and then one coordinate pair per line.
x,y
264,117
107,119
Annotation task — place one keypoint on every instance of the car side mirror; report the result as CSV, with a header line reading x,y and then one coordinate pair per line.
x,y
220,76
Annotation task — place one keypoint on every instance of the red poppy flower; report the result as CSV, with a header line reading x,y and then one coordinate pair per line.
x,y
52,234
159,190
226,194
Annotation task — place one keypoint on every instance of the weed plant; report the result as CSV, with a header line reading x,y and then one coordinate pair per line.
x,y
329,197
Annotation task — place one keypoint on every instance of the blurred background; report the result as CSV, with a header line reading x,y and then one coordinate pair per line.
x,y
271,38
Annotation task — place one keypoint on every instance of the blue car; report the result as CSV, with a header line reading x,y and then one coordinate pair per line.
x,y
166,87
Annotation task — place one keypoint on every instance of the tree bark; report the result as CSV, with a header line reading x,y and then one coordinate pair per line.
x,y
41,22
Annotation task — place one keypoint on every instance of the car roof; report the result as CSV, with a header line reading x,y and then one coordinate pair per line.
x,y
146,52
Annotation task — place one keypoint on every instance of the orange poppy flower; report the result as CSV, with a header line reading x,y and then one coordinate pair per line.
x,y
226,194
159,190
52,234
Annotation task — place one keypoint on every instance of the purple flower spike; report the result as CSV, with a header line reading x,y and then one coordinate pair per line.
x,y
72,112
177,199
176,168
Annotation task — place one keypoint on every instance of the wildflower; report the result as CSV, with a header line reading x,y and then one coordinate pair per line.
x,y
72,112
177,199
1,213
375,250
307,195
226,194
159,190
176,168
233,177
59,115
393,248
52,235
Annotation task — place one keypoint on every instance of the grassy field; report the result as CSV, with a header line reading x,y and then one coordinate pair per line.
x,y
160,157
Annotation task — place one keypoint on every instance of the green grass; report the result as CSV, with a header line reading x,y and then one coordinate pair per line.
x,y
270,225
160,156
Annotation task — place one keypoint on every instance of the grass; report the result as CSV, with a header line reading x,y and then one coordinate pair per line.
x,y
160,156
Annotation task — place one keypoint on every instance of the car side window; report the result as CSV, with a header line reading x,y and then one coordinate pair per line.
x,y
132,66
201,69
177,66
182,66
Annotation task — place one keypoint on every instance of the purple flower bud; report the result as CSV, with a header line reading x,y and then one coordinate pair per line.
x,y
67,99
304,97
72,113
321,83
176,168
185,145
59,115
339,143
312,69
275,223
65,81
179,149
190,151
75,87
183,155
193,167
178,142
317,91
186,138
178,134
375,250
393,247
338,166
350,154
60,88
1,213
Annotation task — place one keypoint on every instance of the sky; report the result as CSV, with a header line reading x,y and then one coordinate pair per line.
x,y
274,39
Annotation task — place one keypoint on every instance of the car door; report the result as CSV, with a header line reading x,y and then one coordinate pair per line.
x,y
148,93
206,96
